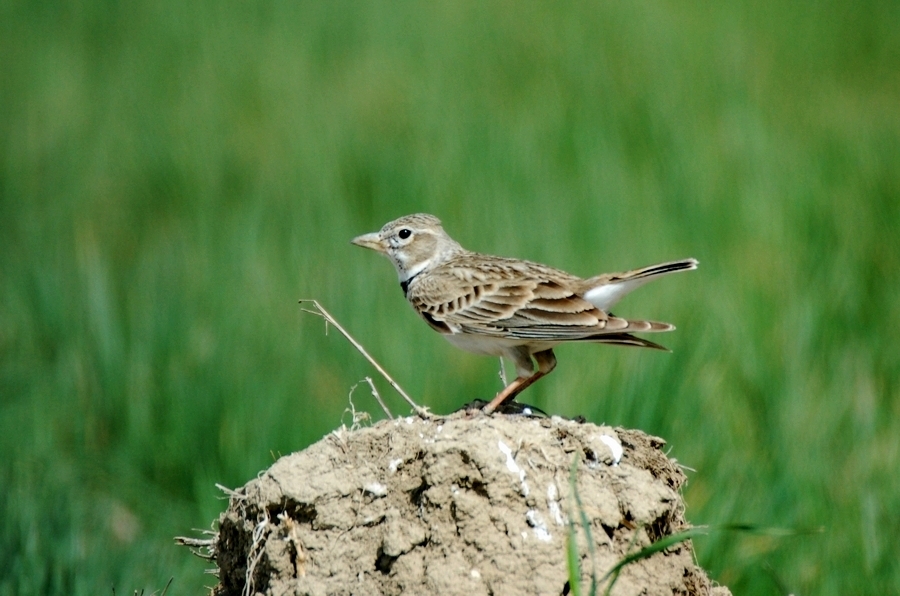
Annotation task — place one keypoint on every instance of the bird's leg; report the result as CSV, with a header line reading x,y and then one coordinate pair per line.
x,y
502,372
546,362
509,393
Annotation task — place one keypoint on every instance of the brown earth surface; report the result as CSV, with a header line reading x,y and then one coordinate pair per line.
x,y
466,504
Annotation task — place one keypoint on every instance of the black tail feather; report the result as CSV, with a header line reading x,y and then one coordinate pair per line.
x,y
670,267
626,339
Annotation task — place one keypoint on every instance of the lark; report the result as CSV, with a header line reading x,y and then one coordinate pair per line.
x,y
514,309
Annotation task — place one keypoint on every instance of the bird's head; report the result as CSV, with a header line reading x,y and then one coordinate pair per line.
x,y
412,243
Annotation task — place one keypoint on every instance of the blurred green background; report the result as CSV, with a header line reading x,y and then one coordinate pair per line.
x,y
175,176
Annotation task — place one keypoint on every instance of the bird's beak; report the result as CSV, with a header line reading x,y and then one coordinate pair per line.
x,y
372,241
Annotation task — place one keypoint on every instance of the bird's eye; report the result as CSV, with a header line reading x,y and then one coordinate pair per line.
x,y
404,233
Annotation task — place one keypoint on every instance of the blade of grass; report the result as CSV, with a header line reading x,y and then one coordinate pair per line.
x,y
673,539
585,525
648,551
572,561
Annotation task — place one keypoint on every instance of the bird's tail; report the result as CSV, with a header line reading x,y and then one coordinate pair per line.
x,y
604,291
626,339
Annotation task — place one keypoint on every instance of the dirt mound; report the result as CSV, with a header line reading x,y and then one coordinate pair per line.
x,y
460,505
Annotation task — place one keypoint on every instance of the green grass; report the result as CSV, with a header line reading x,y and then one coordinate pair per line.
x,y
174,176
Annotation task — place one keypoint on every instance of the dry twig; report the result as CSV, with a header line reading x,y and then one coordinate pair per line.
x,y
321,312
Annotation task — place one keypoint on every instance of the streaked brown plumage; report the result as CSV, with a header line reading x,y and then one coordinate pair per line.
x,y
508,307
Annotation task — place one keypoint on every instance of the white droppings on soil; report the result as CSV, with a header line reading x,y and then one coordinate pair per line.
x,y
444,517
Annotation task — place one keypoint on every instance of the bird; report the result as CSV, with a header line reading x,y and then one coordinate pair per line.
x,y
511,308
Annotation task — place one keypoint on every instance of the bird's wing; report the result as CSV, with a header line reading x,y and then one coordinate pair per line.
x,y
511,299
